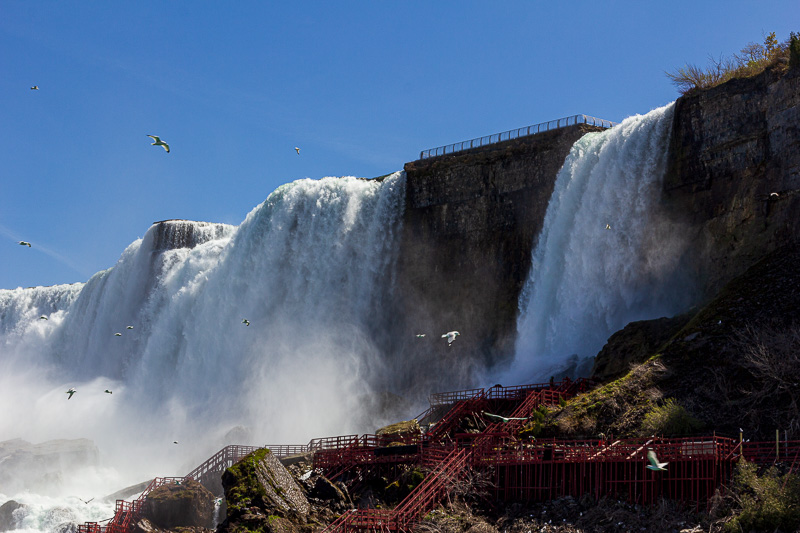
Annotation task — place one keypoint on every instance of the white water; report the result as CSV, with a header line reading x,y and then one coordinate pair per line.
x,y
587,281
308,268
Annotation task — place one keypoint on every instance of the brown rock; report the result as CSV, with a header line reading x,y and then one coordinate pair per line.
x,y
186,505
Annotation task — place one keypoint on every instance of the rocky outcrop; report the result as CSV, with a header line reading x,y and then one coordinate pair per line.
x,y
633,345
175,234
11,515
262,495
471,220
187,504
734,171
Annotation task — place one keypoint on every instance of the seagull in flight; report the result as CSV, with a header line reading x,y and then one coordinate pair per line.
x,y
35,88
71,391
502,418
296,149
42,317
24,243
107,391
245,322
129,327
654,464
159,142
118,334
86,501
450,336
608,226
420,335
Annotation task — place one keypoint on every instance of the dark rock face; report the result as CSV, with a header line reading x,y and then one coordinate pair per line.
x,y
186,505
470,223
8,518
633,345
732,147
174,234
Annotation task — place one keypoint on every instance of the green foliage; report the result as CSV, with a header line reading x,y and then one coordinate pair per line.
x,y
669,419
533,427
751,60
769,502
794,50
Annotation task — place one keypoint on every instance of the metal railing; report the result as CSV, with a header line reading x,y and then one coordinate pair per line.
x,y
514,134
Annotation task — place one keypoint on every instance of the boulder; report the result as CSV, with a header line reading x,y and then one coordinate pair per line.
x,y
262,495
400,430
10,515
187,504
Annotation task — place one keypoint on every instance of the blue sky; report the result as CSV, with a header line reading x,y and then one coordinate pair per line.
x,y
360,87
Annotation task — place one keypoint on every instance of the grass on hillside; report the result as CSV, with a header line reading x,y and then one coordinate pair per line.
x,y
753,59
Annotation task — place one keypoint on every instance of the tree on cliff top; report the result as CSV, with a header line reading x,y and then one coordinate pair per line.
x,y
751,60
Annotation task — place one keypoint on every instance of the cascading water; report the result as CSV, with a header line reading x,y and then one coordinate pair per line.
x,y
607,254
308,269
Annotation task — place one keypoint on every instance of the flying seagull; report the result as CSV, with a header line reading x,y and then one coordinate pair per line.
x,y
86,501
71,391
450,336
245,322
42,317
159,142
608,226
420,335
654,464
35,88
129,327
118,334
174,442
24,243
108,391
296,149
502,418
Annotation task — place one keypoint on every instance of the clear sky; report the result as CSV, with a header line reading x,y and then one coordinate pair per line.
x,y
360,87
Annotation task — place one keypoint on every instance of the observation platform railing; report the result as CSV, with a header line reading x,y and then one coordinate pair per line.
x,y
515,134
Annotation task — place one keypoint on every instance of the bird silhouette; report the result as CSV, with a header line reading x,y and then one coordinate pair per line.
x,y
129,327
159,142
296,149
654,464
118,334
42,317
35,88
245,322
420,335
608,226
71,391
24,243
86,501
108,391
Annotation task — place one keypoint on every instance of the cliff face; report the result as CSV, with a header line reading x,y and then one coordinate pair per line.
x,y
734,171
471,221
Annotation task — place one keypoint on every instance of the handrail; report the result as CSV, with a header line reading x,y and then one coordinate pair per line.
x,y
515,134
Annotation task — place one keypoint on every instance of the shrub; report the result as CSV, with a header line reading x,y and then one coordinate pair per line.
x,y
669,419
751,60
769,502
794,50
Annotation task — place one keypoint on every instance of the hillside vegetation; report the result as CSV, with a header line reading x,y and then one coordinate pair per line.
x,y
753,59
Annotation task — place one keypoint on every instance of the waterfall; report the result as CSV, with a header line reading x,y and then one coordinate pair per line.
x,y
607,254
164,331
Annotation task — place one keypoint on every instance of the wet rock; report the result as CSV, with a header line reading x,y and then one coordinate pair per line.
x,y
11,514
186,505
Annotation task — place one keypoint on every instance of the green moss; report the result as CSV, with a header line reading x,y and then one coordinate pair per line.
x,y
246,489
670,419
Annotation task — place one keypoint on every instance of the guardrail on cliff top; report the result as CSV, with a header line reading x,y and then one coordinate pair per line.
x,y
514,134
